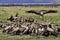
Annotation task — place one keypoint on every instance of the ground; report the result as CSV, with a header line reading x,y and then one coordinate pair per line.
x,y
7,11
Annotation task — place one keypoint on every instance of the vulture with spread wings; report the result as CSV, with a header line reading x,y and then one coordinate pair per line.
x,y
41,12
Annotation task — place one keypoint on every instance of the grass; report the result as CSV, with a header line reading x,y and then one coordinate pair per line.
x,y
6,12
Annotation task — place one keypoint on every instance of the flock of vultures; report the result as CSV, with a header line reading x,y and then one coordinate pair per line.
x,y
29,26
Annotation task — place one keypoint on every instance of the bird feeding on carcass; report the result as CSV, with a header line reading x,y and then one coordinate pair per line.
x,y
53,29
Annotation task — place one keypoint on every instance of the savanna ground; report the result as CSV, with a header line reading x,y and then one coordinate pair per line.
x,y
7,11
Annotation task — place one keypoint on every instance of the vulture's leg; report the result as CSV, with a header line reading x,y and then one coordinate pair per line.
x,y
42,17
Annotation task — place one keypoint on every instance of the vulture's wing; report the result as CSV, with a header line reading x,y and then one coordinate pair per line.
x,y
51,11
32,11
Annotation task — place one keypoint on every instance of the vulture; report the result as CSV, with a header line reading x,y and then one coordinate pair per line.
x,y
41,12
11,18
16,15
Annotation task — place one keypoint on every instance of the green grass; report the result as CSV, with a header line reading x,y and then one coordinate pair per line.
x,y
6,12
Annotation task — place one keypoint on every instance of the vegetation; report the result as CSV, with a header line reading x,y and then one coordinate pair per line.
x,y
7,11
